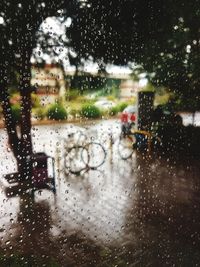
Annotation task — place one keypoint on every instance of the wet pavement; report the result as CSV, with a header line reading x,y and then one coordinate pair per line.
x,y
144,211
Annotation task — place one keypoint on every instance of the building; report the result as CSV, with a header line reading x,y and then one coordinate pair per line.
x,y
49,82
128,89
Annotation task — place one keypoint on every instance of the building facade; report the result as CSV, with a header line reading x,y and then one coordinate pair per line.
x,y
128,89
49,82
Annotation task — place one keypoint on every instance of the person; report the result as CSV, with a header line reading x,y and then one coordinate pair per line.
x,y
128,122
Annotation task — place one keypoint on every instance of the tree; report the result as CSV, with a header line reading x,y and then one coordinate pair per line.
x,y
160,36
115,31
176,62
19,23
119,31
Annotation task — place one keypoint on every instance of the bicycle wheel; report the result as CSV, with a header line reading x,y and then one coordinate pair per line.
x,y
95,155
80,138
126,146
73,159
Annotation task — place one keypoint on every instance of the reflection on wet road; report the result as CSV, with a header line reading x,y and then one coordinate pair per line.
x,y
139,212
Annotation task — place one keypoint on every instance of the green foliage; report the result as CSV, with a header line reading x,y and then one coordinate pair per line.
x,y
16,113
148,88
90,111
132,101
35,100
110,260
40,113
72,94
114,111
57,112
75,112
161,99
163,96
190,104
119,108
111,97
122,106
82,99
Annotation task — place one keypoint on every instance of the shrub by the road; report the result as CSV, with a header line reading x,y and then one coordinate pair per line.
x,y
35,100
90,111
57,112
118,108
122,106
40,113
114,111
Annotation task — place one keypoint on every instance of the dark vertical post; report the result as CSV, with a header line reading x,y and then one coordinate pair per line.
x,y
144,110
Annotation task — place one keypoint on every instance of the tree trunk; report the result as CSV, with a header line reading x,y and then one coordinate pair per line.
x,y
25,91
26,140
10,124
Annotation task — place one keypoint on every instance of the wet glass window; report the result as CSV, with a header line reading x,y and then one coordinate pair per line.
x,y
99,133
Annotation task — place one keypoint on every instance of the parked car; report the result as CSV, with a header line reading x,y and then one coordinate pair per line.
x,y
104,104
128,118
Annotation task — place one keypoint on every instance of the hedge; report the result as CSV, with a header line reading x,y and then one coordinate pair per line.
x,y
57,112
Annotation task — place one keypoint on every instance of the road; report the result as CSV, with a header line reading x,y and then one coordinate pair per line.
x,y
139,212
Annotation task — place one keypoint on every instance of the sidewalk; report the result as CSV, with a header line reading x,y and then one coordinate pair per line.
x,y
140,212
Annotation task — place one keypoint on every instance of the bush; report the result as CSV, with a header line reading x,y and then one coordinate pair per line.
x,y
40,113
35,100
113,111
16,113
118,108
122,106
90,111
57,112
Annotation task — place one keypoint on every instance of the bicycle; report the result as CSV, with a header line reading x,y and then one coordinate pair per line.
x,y
137,140
84,155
